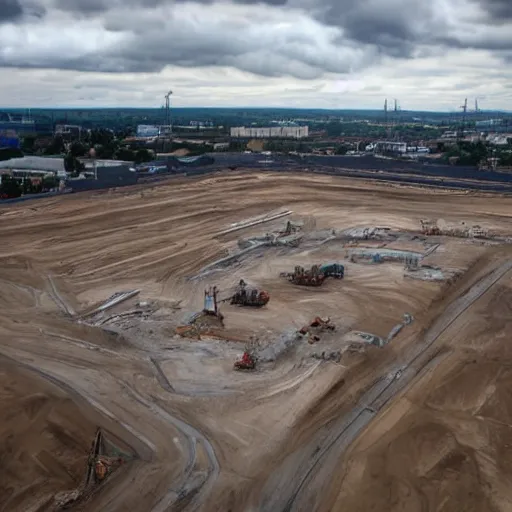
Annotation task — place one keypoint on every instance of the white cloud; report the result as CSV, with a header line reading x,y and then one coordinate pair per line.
x,y
308,53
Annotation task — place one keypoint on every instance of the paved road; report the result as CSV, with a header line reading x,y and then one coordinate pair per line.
x,y
367,167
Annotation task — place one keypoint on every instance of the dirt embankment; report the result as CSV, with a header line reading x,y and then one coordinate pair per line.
x,y
44,440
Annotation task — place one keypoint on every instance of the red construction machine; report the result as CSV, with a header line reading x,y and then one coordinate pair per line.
x,y
303,277
247,362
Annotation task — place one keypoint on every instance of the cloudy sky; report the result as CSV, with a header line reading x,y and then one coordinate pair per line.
x,y
430,54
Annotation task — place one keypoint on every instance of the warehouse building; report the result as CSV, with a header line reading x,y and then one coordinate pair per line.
x,y
37,164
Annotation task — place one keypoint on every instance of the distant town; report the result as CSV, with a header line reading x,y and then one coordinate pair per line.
x,y
48,151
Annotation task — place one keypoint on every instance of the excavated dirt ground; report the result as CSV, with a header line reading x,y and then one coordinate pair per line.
x,y
206,437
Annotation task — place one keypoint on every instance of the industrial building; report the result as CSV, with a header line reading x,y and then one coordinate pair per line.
x,y
68,131
274,132
9,139
494,126
390,147
147,131
17,123
37,164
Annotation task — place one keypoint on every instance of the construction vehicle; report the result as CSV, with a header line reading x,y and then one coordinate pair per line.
x,y
100,463
247,362
303,277
336,270
429,227
246,296
210,301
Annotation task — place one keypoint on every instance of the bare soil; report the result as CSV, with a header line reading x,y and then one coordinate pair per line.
x,y
206,437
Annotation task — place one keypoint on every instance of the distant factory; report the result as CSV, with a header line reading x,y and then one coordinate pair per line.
x,y
274,132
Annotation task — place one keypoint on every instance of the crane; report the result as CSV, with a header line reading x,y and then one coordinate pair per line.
x,y
168,109
464,109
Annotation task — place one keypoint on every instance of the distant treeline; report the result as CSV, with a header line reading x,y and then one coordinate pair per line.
x,y
123,119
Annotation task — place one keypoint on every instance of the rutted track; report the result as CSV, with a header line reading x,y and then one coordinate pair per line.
x,y
58,299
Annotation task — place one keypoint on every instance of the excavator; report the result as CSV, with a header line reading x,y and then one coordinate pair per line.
x,y
246,296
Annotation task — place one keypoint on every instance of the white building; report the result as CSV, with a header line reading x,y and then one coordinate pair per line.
x,y
390,146
274,132
35,163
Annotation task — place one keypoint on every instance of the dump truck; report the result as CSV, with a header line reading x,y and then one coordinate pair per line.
x,y
303,277
336,270
247,296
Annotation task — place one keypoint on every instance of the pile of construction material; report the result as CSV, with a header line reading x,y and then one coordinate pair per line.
x,y
254,222
431,227
328,356
367,255
290,236
369,233
99,316
315,328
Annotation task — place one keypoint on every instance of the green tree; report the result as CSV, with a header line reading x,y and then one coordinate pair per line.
x,y
8,153
77,149
143,155
28,144
56,147
72,165
10,187
101,137
50,182
125,154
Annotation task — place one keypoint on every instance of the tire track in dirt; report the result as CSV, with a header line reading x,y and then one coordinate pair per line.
x,y
58,299
192,435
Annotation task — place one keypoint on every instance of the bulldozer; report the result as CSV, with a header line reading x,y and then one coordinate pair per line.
x,y
303,277
246,296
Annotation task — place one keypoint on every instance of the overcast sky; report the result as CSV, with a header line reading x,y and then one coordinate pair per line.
x,y
430,54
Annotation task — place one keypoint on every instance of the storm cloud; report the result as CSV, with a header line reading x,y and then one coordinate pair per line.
x,y
10,10
299,39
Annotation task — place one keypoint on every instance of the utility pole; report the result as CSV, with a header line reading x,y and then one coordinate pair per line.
x,y
396,109
168,111
464,109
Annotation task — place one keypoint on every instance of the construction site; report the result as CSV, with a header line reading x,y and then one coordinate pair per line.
x,y
255,341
